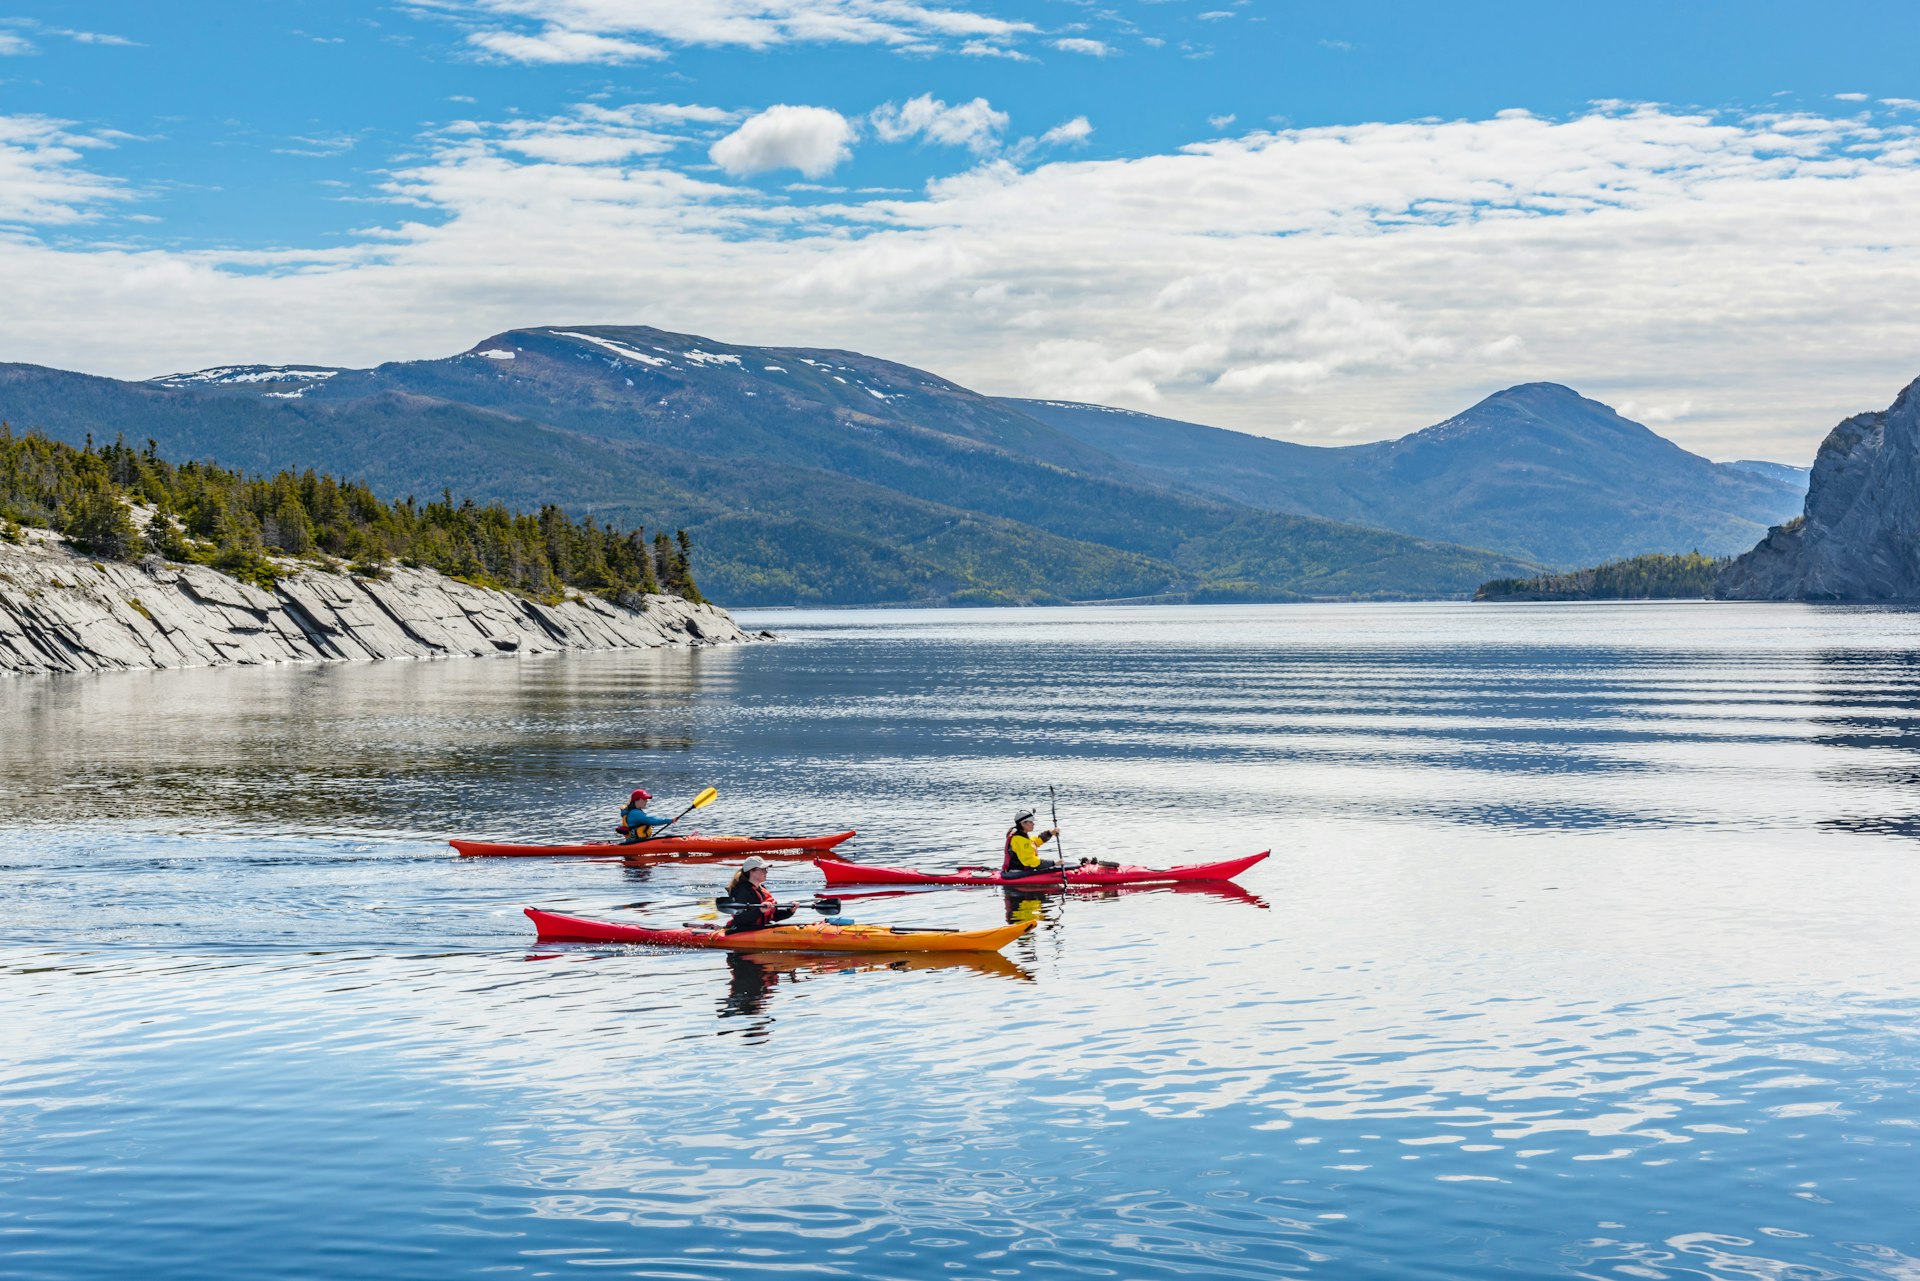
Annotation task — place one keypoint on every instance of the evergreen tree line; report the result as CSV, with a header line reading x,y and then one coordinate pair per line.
x,y
1653,577
208,515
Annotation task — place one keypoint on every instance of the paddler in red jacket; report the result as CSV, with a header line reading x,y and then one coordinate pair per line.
x,y
1021,857
750,901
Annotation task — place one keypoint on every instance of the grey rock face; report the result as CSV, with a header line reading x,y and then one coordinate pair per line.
x,y
61,612
1860,536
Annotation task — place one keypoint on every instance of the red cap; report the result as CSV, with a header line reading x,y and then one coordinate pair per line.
x,y
641,794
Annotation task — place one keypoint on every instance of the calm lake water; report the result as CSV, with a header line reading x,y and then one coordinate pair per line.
x,y
1588,948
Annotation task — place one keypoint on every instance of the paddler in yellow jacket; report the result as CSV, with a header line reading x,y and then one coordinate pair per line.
x,y
1022,855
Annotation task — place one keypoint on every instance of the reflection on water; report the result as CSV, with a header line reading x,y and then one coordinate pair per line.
x,y
1585,950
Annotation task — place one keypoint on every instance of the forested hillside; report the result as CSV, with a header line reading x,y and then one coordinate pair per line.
x,y
200,513
1657,577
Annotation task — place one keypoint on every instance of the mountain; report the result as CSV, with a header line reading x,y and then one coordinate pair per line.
x,y
1537,470
802,475
1795,477
1859,535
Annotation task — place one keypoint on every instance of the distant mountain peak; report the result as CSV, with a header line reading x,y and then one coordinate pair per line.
x,y
1535,469
1542,400
1548,413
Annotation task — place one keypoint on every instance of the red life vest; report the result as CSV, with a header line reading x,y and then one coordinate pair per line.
x,y
762,910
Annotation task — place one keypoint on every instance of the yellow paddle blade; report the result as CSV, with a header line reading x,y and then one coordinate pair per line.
x,y
705,799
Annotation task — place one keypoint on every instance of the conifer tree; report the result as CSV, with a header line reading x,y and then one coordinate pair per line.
x,y
95,519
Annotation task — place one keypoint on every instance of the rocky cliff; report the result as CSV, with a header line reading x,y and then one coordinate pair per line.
x,y
1860,536
62,612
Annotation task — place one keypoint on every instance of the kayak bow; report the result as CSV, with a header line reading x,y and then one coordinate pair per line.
x,y
665,846
841,873
814,936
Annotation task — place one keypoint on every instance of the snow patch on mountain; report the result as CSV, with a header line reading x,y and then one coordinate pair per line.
x,y
234,375
617,348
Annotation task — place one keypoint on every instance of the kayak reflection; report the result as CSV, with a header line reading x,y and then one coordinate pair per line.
x,y
752,976
1224,890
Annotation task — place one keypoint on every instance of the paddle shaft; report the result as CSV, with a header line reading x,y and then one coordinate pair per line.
x,y
1053,804
825,903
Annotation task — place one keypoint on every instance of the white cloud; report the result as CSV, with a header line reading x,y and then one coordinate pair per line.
x,y
318,145
1654,414
589,134
13,43
1221,122
1752,277
1068,133
1851,97
974,125
94,37
1080,44
987,49
42,181
814,140
560,45
616,30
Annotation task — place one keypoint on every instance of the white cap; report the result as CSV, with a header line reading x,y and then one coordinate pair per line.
x,y
753,864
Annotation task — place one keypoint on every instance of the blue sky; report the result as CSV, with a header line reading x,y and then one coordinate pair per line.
x,y
1320,221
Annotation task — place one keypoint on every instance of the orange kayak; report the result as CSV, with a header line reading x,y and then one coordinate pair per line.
x,y
814,936
659,847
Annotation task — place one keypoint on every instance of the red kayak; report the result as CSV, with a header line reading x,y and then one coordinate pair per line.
x,y
660,847
839,873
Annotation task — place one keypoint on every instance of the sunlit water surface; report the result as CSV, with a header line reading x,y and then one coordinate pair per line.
x,y
1588,947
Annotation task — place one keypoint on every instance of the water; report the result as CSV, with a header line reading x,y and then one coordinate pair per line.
x,y
1586,949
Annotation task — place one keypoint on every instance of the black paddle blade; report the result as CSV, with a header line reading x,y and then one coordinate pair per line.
x,y
827,906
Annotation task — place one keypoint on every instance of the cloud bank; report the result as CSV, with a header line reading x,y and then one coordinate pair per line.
x,y
1751,276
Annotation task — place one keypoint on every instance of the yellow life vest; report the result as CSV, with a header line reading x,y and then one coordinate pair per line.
x,y
1022,849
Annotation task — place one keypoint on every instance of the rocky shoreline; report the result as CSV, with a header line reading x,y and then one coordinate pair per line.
x,y
1859,538
61,611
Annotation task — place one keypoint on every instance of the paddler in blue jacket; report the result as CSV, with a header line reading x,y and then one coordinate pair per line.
x,y
1021,857
635,823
